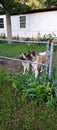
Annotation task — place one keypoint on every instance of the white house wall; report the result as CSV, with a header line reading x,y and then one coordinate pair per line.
x,y
15,25
43,22
16,30
47,22
3,31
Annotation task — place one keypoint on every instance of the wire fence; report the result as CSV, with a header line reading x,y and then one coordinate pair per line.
x,y
10,51
54,60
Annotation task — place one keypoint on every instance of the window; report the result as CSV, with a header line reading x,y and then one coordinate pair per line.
x,y
22,21
1,23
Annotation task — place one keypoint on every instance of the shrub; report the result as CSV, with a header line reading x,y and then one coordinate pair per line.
x,y
38,90
46,37
2,36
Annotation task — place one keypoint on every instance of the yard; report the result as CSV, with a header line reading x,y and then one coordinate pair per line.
x,y
14,51
26,103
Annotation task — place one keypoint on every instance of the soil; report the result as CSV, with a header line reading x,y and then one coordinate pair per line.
x,y
12,66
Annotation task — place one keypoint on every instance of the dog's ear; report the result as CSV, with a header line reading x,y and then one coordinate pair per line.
x,y
28,55
29,52
33,52
22,57
25,54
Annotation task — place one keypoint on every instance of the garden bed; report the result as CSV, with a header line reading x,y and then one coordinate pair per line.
x,y
12,66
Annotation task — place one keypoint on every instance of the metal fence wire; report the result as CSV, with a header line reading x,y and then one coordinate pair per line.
x,y
10,51
54,61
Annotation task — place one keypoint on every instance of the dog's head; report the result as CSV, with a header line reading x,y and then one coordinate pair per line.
x,y
22,56
30,55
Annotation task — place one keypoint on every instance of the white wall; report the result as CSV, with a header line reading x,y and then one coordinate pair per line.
x,y
3,30
43,22
47,22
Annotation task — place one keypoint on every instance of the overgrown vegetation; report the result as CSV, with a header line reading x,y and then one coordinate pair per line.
x,y
27,103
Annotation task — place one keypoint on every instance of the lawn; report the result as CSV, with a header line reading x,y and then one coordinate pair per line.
x,y
27,103
15,49
21,108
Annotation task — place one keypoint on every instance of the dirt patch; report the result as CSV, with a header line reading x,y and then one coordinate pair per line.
x,y
12,66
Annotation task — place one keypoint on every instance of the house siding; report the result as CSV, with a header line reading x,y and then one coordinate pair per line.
x,y
43,22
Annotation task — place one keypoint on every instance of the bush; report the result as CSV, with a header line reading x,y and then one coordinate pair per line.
x,y
46,37
38,90
2,36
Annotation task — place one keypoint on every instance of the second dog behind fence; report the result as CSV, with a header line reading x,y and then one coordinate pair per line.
x,y
36,64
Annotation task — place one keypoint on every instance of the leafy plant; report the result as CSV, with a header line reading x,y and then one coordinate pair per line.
x,y
26,103
46,37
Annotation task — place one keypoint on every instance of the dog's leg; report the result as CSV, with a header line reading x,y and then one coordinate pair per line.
x,y
24,69
41,69
27,66
35,69
36,73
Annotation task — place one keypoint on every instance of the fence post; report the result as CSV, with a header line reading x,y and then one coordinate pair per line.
x,y
51,58
47,53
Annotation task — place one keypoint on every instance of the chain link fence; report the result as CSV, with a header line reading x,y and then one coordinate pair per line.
x,y
10,51
54,61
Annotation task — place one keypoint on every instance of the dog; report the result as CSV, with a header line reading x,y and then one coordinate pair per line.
x,y
26,59
44,60
24,63
36,62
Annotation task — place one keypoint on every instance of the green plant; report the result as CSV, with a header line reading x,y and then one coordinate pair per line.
x,y
28,39
25,103
2,36
46,37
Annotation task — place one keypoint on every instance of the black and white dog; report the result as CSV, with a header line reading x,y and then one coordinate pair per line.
x,y
25,64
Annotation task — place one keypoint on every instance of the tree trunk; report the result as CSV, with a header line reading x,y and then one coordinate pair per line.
x,y
8,23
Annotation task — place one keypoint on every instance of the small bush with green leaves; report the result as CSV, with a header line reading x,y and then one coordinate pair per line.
x,y
46,37
40,90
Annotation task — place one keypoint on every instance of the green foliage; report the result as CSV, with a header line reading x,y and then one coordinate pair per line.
x,y
26,103
2,36
15,49
50,3
7,4
46,37
35,4
2,11
13,6
38,90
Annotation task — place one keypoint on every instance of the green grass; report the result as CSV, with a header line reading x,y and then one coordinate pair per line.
x,y
19,114
15,49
